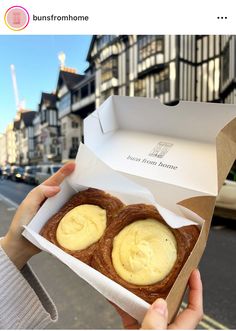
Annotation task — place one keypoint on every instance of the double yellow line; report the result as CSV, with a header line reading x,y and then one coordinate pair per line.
x,y
207,322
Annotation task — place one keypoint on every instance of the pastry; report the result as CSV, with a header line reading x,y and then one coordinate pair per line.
x,y
131,245
142,253
81,222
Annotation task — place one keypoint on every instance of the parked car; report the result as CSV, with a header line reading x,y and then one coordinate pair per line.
x,y
29,174
226,200
43,172
6,172
16,173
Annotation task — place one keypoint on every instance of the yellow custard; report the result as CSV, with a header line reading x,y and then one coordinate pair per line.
x,y
144,252
81,227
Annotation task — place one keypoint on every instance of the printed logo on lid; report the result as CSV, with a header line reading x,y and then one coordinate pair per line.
x,y
160,149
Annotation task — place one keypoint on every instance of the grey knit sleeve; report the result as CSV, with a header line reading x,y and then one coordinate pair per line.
x,y
24,303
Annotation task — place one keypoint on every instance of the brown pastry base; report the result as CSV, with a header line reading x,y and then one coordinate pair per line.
x,y
90,196
186,238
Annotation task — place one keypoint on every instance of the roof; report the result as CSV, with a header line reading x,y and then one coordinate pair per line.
x,y
88,57
70,79
85,80
27,117
50,99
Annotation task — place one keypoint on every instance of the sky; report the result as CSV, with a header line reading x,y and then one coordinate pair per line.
x,y
36,64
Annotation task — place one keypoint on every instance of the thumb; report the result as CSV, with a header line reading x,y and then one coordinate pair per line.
x,y
37,196
156,317
30,205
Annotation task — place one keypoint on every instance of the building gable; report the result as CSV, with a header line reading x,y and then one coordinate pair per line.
x,y
47,101
67,80
61,86
92,48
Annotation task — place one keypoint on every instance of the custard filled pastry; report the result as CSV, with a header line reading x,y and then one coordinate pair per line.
x,y
81,222
142,253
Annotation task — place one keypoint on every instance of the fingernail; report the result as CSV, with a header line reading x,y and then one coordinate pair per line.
x,y
197,272
70,166
160,306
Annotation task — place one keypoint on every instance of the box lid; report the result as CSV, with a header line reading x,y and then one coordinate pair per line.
x,y
150,141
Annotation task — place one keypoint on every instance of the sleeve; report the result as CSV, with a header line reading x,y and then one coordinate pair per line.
x,y
24,303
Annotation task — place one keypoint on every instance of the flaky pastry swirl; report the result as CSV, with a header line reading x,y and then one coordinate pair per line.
x,y
90,196
186,238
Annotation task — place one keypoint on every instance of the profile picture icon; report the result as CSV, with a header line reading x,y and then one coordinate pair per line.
x,y
16,18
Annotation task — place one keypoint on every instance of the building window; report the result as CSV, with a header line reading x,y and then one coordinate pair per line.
x,y
75,142
64,102
149,45
64,126
127,70
92,87
104,41
225,64
208,81
109,69
76,96
74,124
84,91
24,133
140,88
162,82
43,116
109,92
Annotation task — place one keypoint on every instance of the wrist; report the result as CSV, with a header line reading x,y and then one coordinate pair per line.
x,y
16,251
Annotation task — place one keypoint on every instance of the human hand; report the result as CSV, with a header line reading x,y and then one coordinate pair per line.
x,y
18,248
157,315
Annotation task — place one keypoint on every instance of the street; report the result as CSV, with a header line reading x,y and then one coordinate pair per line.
x,y
81,307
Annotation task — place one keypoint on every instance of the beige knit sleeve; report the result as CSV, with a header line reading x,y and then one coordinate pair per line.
x,y
24,303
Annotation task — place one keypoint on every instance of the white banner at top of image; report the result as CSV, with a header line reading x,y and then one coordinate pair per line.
x,y
117,17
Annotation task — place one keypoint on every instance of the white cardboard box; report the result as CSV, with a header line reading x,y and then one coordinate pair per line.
x,y
171,151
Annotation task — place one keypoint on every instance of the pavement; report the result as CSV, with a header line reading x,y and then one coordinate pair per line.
x,y
81,307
